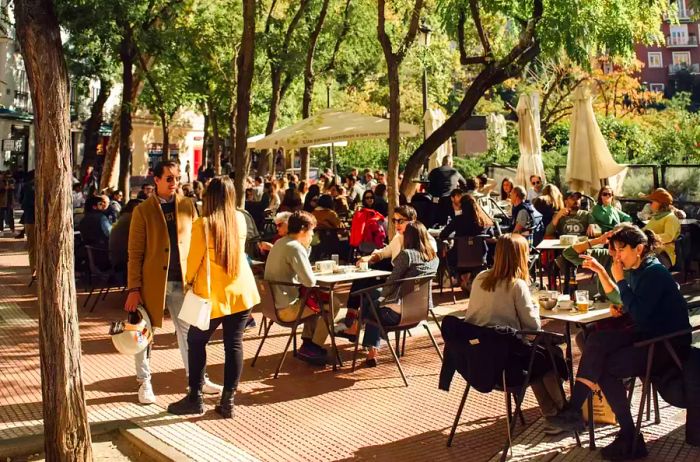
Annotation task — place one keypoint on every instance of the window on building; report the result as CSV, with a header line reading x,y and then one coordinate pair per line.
x,y
655,59
657,87
678,34
681,58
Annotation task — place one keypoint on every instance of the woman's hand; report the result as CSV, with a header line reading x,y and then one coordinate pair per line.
x,y
616,311
618,271
590,231
592,264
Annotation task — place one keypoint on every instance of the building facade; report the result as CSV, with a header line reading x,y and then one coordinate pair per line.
x,y
677,57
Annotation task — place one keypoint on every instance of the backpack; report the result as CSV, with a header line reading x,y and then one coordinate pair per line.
x,y
364,228
252,235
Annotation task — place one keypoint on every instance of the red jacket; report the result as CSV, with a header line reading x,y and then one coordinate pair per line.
x,y
366,227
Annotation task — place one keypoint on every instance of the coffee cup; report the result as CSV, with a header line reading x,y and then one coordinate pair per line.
x,y
364,265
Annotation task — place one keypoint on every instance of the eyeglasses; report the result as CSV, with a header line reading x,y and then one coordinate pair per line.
x,y
173,179
535,183
606,194
398,221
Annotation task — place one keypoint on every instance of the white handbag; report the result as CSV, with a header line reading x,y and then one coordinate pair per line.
x,y
196,310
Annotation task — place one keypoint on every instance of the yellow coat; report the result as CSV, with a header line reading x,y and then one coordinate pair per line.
x,y
149,250
667,228
228,295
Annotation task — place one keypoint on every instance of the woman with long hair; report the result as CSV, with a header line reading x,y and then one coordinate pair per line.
x,y
605,214
506,188
501,297
311,199
656,306
418,258
291,201
548,203
219,237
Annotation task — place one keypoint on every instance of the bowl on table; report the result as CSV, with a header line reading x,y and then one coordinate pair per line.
x,y
568,239
548,301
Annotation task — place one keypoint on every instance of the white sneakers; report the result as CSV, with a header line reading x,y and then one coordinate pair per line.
x,y
211,388
146,395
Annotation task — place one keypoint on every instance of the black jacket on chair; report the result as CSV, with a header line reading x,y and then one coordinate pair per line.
x,y
480,355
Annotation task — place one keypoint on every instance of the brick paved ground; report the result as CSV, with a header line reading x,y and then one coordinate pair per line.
x,y
306,414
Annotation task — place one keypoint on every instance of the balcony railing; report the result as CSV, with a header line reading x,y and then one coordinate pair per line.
x,y
684,14
689,41
692,68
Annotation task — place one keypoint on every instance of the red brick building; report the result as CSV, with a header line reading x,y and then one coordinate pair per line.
x,y
680,52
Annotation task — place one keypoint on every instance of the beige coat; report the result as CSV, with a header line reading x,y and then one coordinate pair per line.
x,y
149,251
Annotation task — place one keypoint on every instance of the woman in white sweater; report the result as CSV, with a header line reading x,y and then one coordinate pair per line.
x,y
500,296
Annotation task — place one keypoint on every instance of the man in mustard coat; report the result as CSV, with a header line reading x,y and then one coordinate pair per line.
x,y
159,241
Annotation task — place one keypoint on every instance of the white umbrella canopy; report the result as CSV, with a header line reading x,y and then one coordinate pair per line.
x,y
530,162
330,126
432,120
589,160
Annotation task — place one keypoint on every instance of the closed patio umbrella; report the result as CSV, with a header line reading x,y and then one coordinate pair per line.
x,y
589,161
530,162
433,119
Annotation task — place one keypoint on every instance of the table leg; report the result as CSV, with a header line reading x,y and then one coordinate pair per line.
x,y
331,330
591,422
569,358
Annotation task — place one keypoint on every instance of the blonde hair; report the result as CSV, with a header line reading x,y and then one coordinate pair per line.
x,y
553,196
219,209
510,262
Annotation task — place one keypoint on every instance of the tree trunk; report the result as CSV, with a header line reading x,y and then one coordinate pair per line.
x,y
245,61
392,173
166,135
276,83
232,133
66,427
216,142
205,138
109,169
92,126
127,55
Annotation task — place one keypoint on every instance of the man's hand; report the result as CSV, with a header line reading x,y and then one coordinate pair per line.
x,y
264,246
592,264
133,300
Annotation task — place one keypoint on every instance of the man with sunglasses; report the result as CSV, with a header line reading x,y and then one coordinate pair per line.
x,y
159,241
536,190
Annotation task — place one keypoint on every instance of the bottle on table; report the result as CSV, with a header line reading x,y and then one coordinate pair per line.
x,y
573,287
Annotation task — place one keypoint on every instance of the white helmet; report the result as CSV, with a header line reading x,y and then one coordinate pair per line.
x,y
134,335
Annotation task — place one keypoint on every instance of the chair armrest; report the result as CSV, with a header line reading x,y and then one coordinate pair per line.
x,y
553,336
661,338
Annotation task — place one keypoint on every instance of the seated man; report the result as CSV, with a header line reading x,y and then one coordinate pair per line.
x,y
527,221
95,227
289,262
570,219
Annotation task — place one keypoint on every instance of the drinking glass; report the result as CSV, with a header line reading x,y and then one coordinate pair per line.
x,y
582,301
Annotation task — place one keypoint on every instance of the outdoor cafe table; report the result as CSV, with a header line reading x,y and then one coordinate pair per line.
x,y
328,282
597,312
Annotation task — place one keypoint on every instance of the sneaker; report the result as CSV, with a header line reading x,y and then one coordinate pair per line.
x,y
211,388
621,449
250,324
146,395
191,404
570,420
312,354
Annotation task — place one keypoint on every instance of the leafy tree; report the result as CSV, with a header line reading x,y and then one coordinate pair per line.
x,y
512,34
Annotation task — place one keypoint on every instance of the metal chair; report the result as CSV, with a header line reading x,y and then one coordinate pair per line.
x,y
516,392
413,304
472,254
106,273
269,311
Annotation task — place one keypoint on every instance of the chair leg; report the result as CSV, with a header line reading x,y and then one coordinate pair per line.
x,y
432,339
459,414
262,324
397,336
393,353
649,404
509,442
657,414
284,353
435,318
645,390
452,288
97,299
262,340
630,392
92,289
354,353
294,343
403,343
104,296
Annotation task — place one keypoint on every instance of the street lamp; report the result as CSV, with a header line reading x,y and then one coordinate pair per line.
x,y
425,31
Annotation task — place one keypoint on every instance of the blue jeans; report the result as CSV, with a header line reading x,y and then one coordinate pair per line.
x,y
387,317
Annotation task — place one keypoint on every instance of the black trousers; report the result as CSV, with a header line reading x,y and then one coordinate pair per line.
x,y
609,356
197,339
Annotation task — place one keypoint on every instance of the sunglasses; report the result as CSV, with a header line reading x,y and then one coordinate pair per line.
x,y
173,179
398,221
535,183
605,194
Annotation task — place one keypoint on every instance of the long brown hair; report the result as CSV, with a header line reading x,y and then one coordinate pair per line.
x,y
219,209
474,212
416,237
510,262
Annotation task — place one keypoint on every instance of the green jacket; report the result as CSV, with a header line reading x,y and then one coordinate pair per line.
x,y
604,258
607,216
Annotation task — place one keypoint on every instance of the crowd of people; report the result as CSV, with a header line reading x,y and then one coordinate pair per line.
x,y
175,235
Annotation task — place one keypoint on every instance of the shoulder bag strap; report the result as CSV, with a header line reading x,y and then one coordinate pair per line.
x,y
206,256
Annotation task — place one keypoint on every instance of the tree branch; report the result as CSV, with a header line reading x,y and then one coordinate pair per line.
x,y
476,17
412,31
341,37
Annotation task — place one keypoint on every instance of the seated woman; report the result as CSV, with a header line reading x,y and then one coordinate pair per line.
x,y
654,302
549,203
403,215
326,217
288,261
366,226
418,258
506,188
473,221
605,214
665,224
501,297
